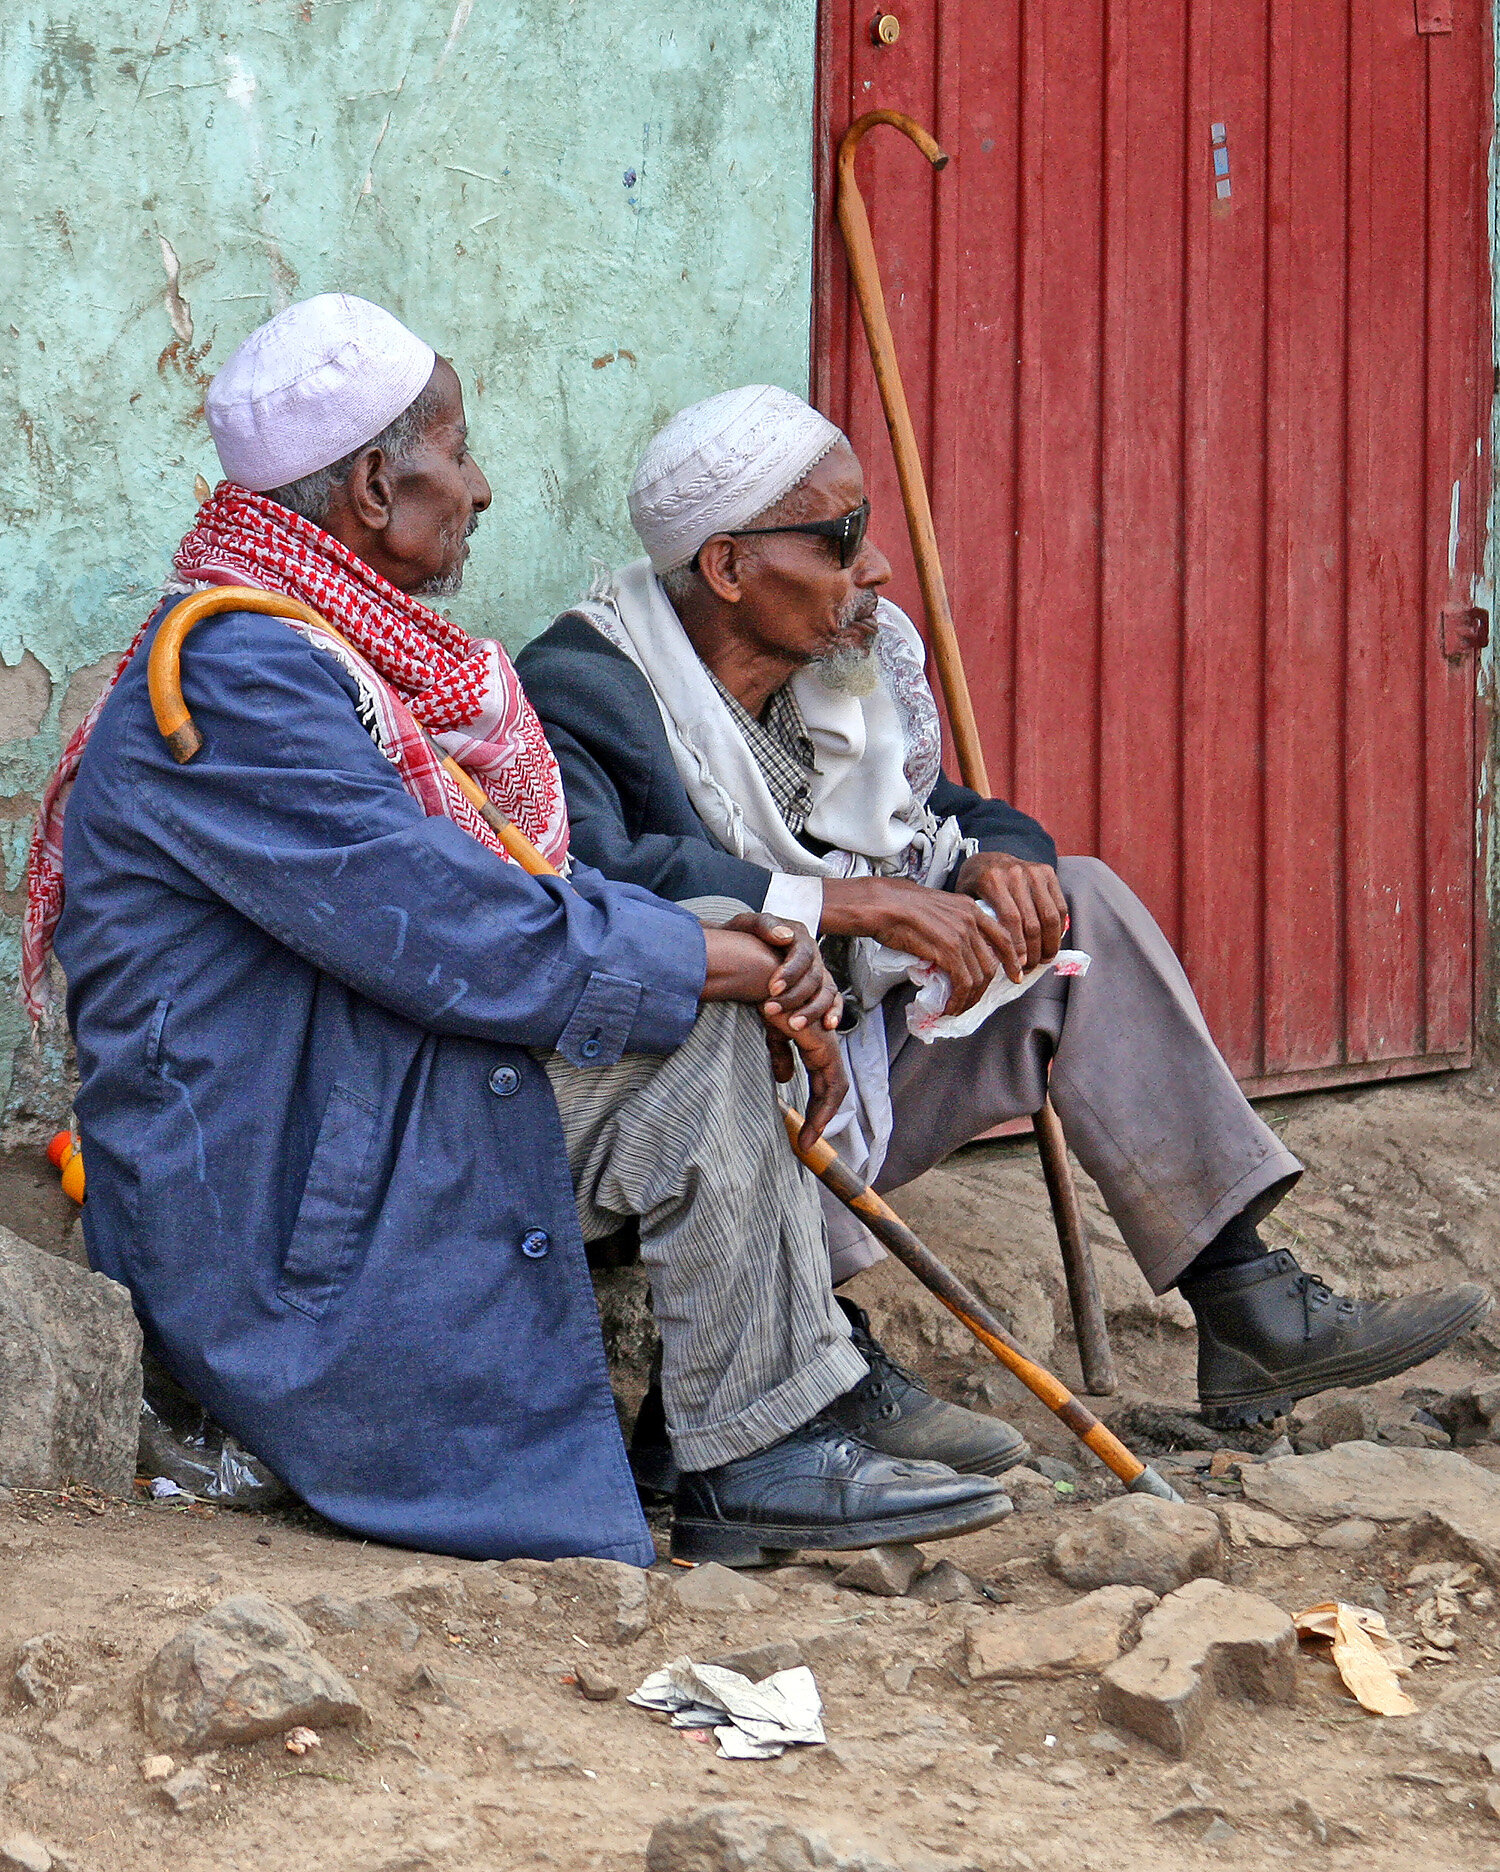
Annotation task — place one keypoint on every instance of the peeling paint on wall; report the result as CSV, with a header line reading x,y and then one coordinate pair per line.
x,y
177,173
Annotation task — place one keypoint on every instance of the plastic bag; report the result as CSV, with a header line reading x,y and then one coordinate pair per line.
x,y
180,1443
924,1013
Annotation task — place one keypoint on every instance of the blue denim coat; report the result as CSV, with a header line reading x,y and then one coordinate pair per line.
x,y
320,1152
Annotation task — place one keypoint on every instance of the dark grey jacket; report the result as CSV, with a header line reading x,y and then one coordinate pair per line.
x,y
630,813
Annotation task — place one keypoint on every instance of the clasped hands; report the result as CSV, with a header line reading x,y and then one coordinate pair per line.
x,y
948,928
776,965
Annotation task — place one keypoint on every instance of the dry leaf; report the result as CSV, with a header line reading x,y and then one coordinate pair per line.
x,y
1365,1654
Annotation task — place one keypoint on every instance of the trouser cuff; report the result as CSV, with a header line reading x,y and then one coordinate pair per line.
x,y
836,1370
1254,1196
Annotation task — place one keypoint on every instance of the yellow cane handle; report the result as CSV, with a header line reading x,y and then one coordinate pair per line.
x,y
898,120
178,730
164,668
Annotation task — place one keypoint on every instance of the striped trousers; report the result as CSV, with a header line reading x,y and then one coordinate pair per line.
x,y
731,1231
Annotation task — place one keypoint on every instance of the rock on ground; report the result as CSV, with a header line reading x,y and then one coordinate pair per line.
x,y
17,1763
763,1660
1348,1536
731,1839
617,1592
1347,1419
597,1685
945,1584
1471,1414
187,1788
886,1571
1030,1489
1136,1540
326,1612
1451,1501
715,1588
24,1852
1060,1641
1464,1722
70,1374
1203,1641
1253,1527
47,1667
247,1669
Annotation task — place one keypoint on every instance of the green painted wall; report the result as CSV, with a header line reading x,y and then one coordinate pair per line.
x,y
600,213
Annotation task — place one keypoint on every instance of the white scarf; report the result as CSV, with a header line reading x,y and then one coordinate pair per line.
x,y
877,759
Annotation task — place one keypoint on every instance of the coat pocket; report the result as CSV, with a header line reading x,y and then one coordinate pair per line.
x,y
335,1205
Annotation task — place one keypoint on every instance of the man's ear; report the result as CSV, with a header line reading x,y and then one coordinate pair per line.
x,y
721,567
368,491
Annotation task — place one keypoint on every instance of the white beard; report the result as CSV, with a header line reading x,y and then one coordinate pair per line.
x,y
849,670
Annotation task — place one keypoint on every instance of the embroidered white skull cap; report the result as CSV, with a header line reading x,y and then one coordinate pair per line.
x,y
309,386
719,463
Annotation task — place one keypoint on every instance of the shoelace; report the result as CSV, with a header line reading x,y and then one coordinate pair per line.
x,y
819,1427
883,1367
1316,1294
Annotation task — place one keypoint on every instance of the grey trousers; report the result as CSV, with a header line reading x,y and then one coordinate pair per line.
x,y
731,1232
1148,1105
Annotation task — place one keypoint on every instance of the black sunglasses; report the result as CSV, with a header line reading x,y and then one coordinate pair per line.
x,y
847,532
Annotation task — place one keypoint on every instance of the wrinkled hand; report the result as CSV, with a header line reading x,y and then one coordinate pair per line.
x,y
945,928
1028,904
802,1013
775,963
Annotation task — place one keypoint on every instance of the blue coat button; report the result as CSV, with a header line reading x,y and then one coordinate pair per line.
x,y
535,1243
505,1080
592,1047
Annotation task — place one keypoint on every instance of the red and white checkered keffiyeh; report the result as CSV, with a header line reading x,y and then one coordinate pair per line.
x,y
413,666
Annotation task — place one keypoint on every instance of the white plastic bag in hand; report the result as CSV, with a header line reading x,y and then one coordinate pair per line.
x,y
925,1016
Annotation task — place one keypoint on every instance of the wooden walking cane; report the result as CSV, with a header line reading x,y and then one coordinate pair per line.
x,y
965,1305
1078,1268
164,679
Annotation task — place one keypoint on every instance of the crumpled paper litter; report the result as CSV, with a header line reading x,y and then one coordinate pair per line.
x,y
1365,1654
765,1718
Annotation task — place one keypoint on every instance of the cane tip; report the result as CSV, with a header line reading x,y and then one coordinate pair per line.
x,y
1148,1482
183,742
940,160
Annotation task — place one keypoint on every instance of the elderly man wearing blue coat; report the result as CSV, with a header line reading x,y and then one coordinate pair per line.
x,y
355,1087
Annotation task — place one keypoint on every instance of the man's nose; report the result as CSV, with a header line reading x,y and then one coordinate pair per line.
x,y
871,567
479,488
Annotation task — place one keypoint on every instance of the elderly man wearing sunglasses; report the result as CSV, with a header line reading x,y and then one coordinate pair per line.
x,y
742,714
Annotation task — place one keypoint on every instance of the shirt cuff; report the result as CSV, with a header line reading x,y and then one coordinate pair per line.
x,y
800,898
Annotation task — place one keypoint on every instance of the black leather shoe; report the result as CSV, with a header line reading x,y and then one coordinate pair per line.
x,y
1269,1334
822,1488
894,1412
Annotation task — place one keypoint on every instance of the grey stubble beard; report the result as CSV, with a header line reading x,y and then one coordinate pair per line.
x,y
851,668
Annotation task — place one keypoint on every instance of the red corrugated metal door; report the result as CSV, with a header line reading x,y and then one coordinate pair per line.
x,y
1195,329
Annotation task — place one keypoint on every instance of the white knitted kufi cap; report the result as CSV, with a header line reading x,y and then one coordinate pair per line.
x,y
719,463
309,386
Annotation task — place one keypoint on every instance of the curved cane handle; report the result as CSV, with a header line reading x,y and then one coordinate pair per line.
x,y
178,730
898,120
164,669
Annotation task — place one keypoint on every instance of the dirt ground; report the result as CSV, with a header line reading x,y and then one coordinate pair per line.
x,y
478,1751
